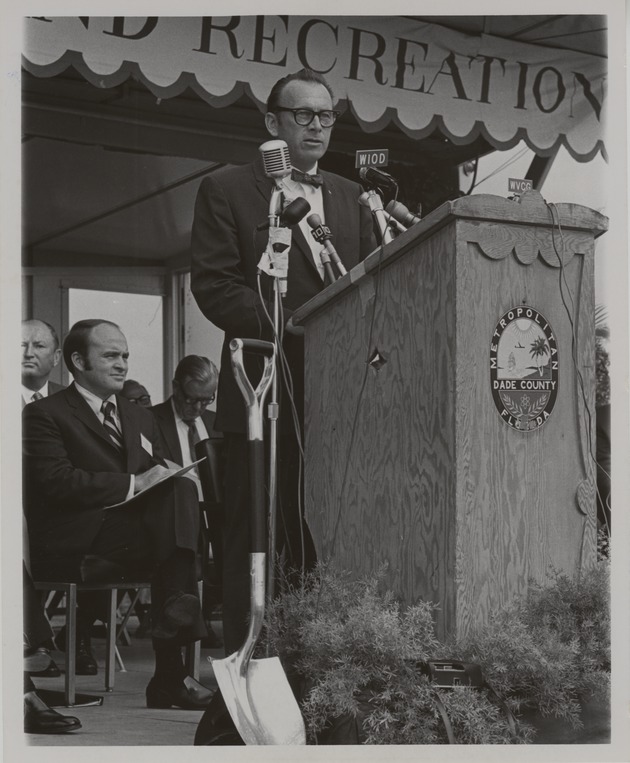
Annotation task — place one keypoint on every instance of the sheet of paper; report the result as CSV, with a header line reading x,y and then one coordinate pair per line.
x,y
180,471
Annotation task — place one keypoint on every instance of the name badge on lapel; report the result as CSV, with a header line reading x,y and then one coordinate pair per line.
x,y
146,444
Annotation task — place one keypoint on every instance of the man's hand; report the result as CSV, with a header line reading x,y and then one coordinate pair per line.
x,y
150,477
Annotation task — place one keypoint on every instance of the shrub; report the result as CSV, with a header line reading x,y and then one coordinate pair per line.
x,y
356,655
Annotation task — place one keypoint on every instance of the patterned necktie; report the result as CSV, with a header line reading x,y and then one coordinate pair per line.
x,y
304,177
37,396
110,424
193,438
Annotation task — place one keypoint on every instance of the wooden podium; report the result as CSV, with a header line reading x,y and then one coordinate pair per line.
x,y
448,435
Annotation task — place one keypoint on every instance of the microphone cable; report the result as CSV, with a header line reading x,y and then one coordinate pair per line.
x,y
570,311
353,430
288,383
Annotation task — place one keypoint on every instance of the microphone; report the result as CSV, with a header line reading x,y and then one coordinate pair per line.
x,y
372,200
275,259
276,159
294,211
276,165
400,212
321,234
378,179
291,214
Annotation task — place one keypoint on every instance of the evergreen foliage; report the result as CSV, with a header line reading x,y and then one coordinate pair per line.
x,y
357,656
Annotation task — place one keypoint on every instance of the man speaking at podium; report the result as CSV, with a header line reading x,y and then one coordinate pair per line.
x,y
227,245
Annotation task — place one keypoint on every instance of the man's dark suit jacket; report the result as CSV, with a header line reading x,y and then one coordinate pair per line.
x,y
72,470
226,249
165,419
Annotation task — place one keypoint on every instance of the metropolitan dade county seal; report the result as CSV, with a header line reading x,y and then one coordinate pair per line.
x,y
524,368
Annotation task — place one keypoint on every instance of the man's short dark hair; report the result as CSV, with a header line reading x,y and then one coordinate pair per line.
x,y
304,75
50,328
78,339
197,368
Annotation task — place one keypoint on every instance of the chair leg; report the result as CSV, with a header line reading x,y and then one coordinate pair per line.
x,y
71,644
121,632
193,651
110,659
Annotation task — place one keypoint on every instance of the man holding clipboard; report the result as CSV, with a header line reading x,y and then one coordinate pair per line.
x,y
101,503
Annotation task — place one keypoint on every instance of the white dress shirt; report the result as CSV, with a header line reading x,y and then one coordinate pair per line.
x,y
27,394
312,194
182,434
96,403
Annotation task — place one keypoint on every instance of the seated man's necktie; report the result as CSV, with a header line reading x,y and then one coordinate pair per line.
x,y
36,396
193,438
111,425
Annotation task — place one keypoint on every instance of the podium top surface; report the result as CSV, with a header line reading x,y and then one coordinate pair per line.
x,y
530,209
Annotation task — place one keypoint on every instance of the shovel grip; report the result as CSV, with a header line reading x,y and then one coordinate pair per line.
x,y
258,522
255,346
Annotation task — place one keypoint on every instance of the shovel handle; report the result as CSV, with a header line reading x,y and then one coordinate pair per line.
x,y
256,346
254,399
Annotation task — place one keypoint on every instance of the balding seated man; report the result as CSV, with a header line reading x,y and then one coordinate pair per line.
x,y
40,354
86,449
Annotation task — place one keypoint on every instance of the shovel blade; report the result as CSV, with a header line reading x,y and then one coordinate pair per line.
x,y
261,703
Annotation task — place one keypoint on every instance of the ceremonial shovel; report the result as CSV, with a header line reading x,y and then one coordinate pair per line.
x,y
256,692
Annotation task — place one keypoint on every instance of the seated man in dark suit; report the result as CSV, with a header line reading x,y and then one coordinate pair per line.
x,y
87,448
183,420
40,354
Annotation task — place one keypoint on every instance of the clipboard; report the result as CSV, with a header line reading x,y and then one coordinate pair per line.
x,y
164,479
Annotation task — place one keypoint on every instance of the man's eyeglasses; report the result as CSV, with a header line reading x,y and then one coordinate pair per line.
x,y
204,402
141,400
304,117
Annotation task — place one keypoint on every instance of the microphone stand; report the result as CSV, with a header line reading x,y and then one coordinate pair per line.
x,y
372,200
273,408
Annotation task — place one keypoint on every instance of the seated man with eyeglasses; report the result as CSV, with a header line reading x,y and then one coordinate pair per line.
x,y
136,393
226,249
183,421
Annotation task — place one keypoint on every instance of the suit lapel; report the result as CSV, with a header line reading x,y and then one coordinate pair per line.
x,y
86,415
331,202
130,430
168,429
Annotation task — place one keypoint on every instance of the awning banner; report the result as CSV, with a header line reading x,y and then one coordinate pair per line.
x,y
386,69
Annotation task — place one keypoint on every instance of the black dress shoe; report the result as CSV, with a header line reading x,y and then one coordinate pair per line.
x,y
85,661
39,663
41,719
52,671
179,611
189,694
